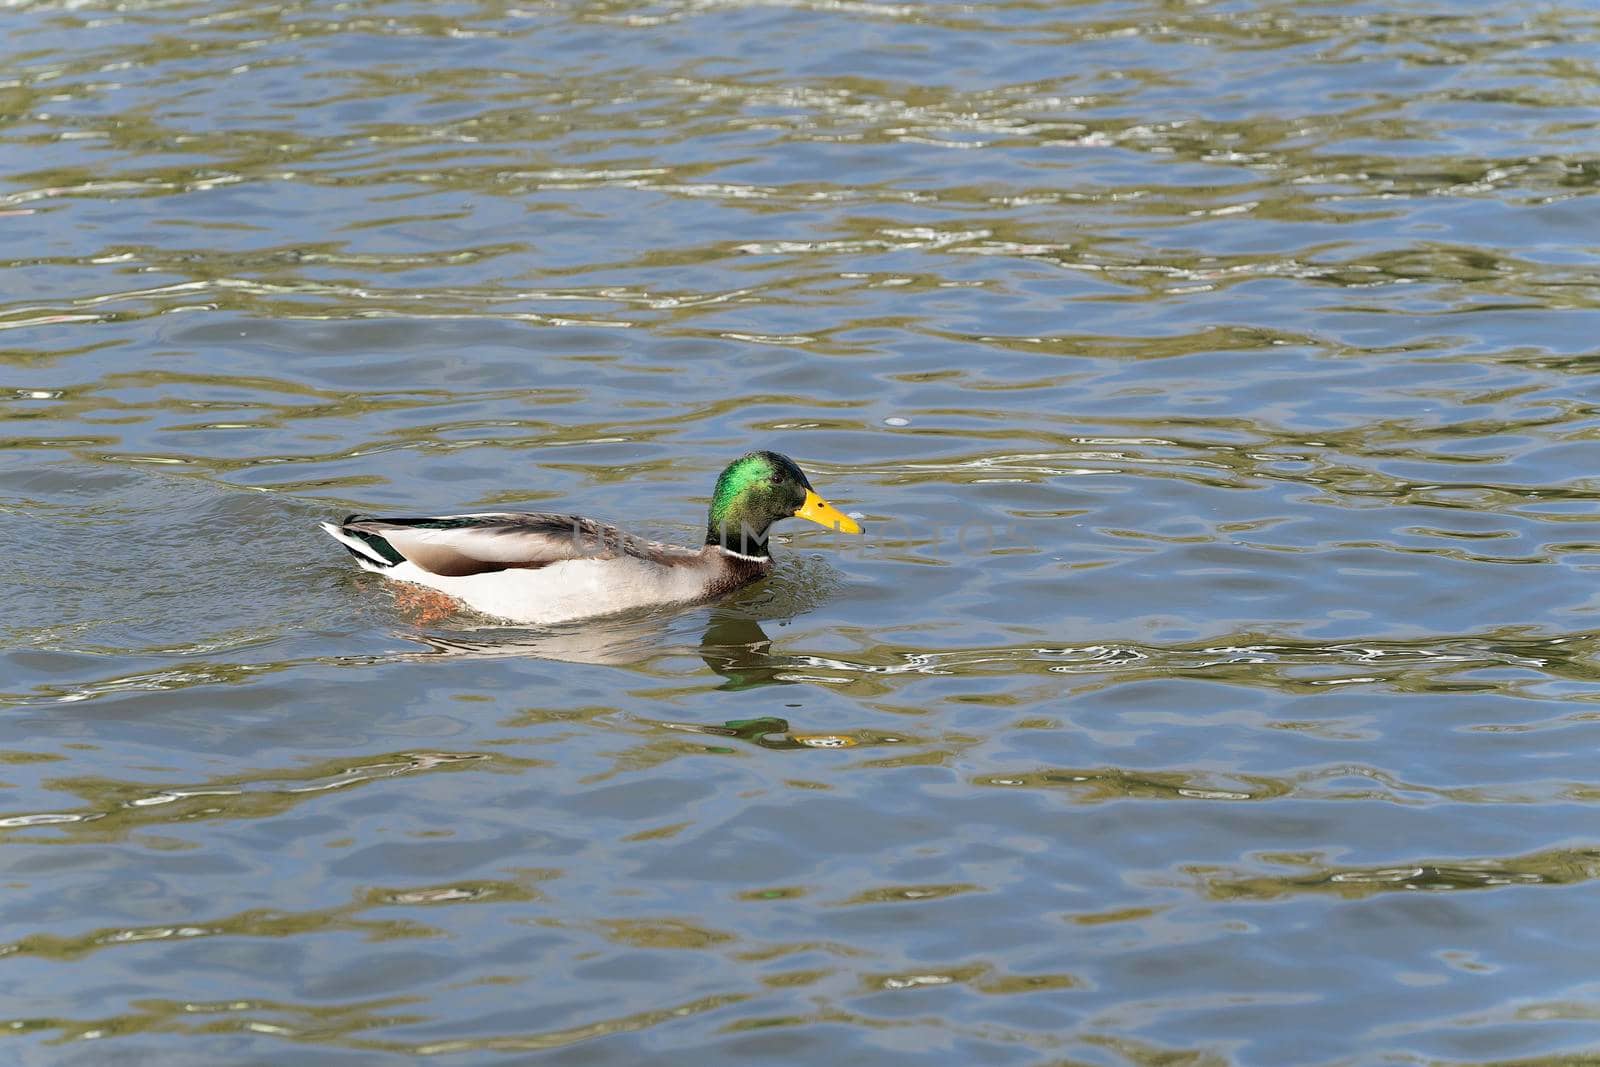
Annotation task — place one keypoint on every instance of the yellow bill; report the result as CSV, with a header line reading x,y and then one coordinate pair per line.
x,y
823,513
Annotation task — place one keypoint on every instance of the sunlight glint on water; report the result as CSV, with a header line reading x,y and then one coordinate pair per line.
x,y
1217,681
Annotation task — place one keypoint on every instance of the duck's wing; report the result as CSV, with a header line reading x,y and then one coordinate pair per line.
x,y
459,545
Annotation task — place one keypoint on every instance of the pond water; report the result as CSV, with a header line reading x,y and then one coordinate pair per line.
x,y
1217,682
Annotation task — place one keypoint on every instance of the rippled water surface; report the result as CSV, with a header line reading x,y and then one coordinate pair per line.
x,y
1218,681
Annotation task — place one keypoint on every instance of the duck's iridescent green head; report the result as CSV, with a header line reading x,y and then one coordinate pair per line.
x,y
755,491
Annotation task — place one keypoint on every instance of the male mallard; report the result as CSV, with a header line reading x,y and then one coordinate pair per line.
x,y
541,569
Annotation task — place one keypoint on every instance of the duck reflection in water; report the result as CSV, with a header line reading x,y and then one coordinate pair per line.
x,y
733,644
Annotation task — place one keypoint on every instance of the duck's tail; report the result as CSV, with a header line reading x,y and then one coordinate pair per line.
x,y
369,549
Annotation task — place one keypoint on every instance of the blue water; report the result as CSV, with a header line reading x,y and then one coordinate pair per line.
x,y
1216,683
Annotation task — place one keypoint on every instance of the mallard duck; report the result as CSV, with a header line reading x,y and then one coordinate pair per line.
x,y
543,569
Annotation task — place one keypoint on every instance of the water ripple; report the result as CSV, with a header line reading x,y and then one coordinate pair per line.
x,y
1212,378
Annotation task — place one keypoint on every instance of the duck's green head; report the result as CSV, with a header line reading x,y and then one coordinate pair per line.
x,y
755,491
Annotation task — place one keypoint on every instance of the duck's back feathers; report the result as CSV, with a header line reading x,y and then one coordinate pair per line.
x,y
540,568
455,546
